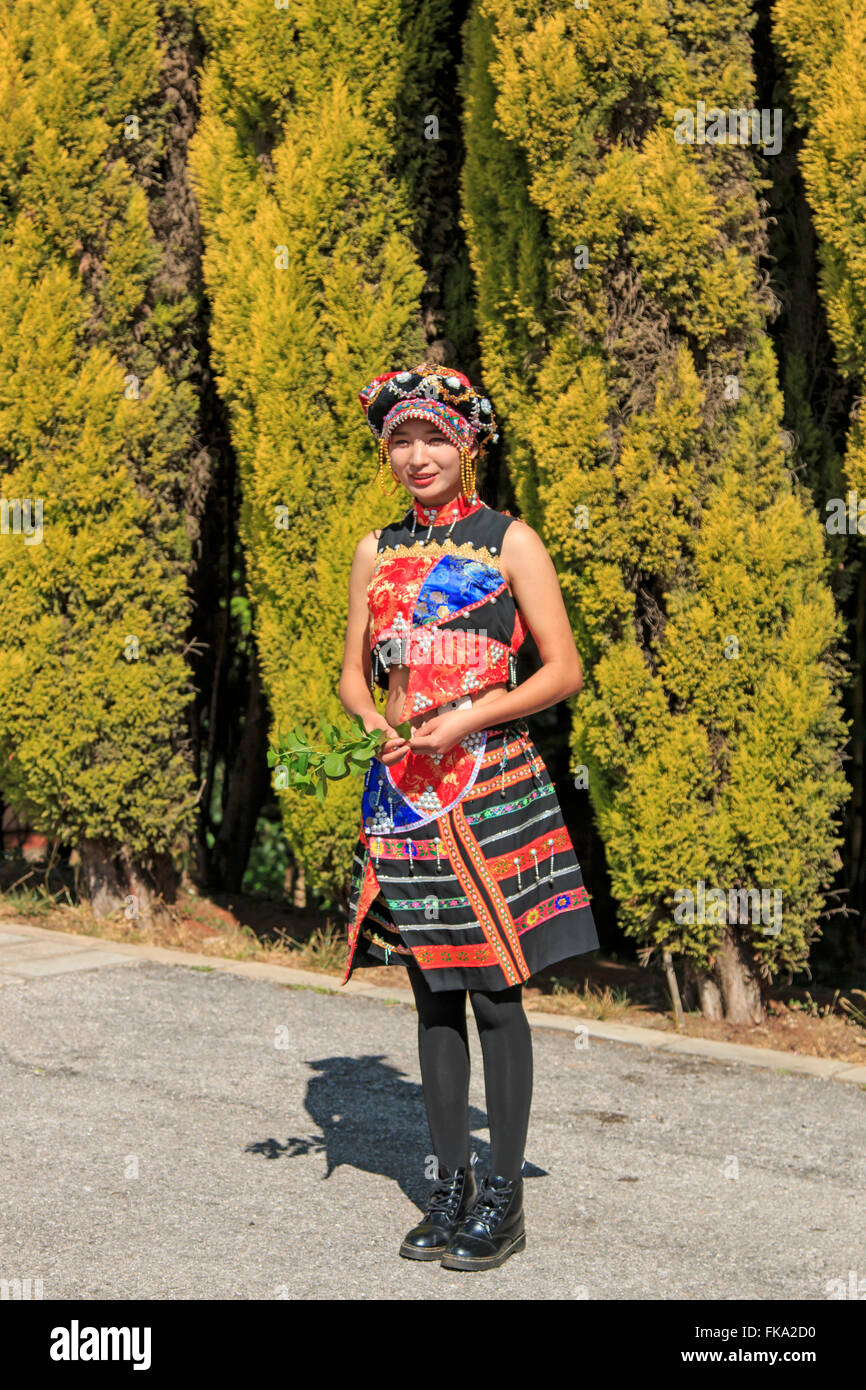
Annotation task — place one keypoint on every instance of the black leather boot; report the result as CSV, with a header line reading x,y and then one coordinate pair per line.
x,y
493,1227
451,1198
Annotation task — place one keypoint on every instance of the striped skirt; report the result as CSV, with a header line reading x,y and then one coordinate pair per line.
x,y
464,865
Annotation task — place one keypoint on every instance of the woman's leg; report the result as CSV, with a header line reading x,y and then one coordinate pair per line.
x,y
506,1045
443,1051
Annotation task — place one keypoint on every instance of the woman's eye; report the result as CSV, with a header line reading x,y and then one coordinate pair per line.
x,y
431,441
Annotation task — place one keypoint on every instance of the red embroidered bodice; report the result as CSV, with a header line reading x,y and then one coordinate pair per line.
x,y
440,605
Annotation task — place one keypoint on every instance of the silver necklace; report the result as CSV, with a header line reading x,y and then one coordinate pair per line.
x,y
432,524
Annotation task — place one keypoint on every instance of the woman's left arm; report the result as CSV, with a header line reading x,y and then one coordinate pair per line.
x,y
533,581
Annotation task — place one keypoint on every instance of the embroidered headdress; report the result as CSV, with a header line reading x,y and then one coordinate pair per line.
x,y
429,392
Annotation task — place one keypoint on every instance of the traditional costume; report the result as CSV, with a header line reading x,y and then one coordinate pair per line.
x,y
463,860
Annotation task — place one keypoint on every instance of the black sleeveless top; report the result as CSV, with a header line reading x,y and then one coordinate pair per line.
x,y
440,605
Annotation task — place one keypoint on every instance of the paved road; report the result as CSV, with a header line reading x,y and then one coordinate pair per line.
x,y
177,1133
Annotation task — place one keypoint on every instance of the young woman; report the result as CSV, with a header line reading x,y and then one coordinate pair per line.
x,y
464,871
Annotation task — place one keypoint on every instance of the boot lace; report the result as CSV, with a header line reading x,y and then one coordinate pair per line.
x,y
445,1195
490,1202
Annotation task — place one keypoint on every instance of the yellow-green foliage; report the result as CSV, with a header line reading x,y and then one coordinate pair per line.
x,y
824,45
692,566
315,288
91,742
506,237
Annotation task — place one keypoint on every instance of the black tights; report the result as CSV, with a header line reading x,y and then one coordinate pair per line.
x,y
443,1050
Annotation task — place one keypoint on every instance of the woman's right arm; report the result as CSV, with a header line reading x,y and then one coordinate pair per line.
x,y
354,687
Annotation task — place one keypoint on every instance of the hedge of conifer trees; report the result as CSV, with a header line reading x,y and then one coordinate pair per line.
x,y
558,192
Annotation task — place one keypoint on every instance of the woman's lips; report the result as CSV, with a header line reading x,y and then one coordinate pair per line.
x,y
423,479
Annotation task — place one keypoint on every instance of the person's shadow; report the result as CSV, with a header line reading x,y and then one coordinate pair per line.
x,y
370,1117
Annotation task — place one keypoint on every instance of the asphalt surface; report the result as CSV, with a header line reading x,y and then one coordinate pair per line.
x,y
175,1133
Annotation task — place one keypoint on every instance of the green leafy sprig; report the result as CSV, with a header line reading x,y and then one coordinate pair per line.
x,y
308,770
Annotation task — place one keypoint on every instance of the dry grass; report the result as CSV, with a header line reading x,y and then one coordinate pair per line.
x,y
198,926
601,1002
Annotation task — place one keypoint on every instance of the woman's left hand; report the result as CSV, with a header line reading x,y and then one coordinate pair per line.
x,y
441,733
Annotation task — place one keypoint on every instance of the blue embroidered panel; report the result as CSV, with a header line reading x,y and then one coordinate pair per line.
x,y
454,583
382,802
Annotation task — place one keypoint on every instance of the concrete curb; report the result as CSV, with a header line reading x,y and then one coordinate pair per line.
x,y
707,1048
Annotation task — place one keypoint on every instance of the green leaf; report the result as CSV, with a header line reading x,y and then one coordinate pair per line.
x,y
404,729
310,769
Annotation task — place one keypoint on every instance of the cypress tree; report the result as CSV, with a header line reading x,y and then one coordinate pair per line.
x,y
309,213
822,55
98,410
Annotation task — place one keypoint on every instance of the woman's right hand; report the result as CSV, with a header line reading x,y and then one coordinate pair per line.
x,y
394,748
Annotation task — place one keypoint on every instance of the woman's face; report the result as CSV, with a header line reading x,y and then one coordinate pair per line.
x,y
426,462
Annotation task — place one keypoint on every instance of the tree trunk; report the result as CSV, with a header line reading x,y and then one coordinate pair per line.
x,y
115,882
702,992
734,969
732,989
673,989
300,888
